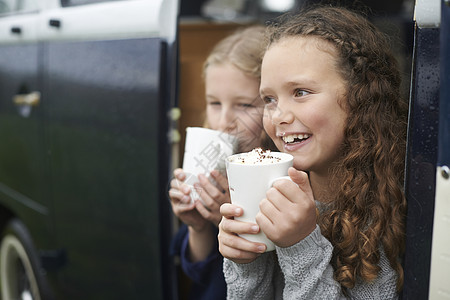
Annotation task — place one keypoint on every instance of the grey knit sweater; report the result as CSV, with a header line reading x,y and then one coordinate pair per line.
x,y
302,271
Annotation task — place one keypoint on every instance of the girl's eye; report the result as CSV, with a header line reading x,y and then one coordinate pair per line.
x,y
245,105
269,100
300,93
214,103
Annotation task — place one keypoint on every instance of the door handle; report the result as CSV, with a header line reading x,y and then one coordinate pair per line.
x,y
54,23
31,99
16,30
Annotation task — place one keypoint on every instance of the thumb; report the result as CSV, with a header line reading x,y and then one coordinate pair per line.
x,y
302,180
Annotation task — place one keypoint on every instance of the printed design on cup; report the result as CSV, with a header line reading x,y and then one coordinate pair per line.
x,y
195,193
212,157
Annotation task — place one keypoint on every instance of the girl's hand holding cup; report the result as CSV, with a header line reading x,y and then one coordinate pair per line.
x,y
182,205
231,245
288,214
212,195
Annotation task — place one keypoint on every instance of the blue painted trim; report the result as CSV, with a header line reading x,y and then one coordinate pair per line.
x,y
421,162
444,114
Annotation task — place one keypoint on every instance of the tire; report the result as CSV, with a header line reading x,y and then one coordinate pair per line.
x,y
20,275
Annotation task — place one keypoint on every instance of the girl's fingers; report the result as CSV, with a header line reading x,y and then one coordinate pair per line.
x,y
236,255
274,199
203,210
180,186
213,192
238,227
211,215
284,189
302,180
239,244
230,211
207,198
175,183
179,199
179,174
268,211
182,208
207,207
177,196
231,245
267,225
221,180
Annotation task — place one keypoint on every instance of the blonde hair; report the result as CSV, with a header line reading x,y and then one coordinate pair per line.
x,y
243,49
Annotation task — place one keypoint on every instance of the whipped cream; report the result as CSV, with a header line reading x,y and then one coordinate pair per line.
x,y
257,156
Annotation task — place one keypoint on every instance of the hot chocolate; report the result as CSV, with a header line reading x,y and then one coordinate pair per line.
x,y
257,156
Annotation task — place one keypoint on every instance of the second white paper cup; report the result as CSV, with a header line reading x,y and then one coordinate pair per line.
x,y
205,150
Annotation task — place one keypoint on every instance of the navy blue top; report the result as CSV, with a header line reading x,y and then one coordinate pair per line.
x,y
207,277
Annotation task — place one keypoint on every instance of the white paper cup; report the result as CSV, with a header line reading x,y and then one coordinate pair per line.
x,y
249,183
205,150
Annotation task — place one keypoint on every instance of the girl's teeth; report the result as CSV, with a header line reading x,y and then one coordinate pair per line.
x,y
290,138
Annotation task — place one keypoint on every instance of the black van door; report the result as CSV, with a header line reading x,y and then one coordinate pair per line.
x,y
85,150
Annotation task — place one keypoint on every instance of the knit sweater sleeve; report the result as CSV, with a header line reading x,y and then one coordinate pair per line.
x,y
256,280
309,275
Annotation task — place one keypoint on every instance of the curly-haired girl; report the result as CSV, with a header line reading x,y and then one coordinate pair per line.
x,y
332,99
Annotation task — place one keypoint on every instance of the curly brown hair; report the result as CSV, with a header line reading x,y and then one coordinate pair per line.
x,y
367,212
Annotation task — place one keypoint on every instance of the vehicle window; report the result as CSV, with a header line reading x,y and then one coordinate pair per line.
x,y
66,3
17,6
6,6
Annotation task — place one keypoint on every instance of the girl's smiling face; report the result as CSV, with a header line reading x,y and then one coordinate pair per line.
x,y
301,89
233,105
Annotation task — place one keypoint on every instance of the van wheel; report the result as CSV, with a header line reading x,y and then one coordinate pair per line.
x,y
18,264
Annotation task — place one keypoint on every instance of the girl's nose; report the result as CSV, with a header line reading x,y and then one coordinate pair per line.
x,y
227,121
281,115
